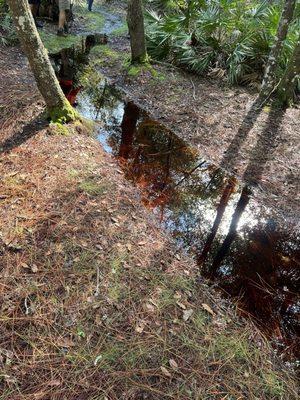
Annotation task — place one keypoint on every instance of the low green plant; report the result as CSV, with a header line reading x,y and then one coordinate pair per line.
x,y
224,38
7,32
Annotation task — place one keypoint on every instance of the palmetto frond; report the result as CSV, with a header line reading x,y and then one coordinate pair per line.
x,y
231,35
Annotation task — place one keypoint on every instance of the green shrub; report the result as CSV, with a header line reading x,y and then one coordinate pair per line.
x,y
225,38
7,31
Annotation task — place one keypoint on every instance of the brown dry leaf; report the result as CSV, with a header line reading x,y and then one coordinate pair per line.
x,y
165,372
187,314
142,243
149,307
34,268
24,265
208,308
54,382
173,364
181,305
128,245
140,327
65,342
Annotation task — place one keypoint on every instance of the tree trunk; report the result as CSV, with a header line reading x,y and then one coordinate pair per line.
x,y
57,105
135,21
282,30
286,90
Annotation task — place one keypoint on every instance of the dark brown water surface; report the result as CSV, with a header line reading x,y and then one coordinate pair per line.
x,y
245,247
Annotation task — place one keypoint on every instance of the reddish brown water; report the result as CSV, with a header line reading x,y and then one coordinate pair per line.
x,y
246,248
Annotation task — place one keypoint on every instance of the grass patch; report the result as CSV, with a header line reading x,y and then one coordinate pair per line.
x,y
103,52
54,44
92,187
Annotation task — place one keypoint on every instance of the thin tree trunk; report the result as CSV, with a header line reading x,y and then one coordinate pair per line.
x,y
57,105
286,90
135,21
268,83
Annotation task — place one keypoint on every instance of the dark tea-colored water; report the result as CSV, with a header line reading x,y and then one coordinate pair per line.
x,y
244,246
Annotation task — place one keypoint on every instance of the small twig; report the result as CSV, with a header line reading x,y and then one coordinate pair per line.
x,y
27,312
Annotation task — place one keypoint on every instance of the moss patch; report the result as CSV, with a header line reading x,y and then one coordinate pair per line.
x,y
121,31
102,52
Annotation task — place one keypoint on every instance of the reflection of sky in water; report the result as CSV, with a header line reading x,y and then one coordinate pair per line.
x,y
110,117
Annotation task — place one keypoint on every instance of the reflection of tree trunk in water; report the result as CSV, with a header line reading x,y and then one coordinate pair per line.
x,y
168,164
128,126
240,208
163,196
67,70
220,212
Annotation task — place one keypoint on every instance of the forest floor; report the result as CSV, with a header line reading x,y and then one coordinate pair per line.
x,y
261,148
95,302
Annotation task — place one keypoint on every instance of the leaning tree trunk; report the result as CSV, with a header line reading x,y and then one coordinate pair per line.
x,y
135,21
268,83
57,105
287,86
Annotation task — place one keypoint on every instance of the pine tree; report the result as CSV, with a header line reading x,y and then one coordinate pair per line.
x,y
58,107
286,89
135,21
268,84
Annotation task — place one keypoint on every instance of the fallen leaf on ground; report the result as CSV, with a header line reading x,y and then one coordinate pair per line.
x,y
34,268
181,305
187,314
165,372
173,364
140,327
208,308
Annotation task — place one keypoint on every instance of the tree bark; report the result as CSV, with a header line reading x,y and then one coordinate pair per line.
x,y
57,105
135,21
268,83
286,89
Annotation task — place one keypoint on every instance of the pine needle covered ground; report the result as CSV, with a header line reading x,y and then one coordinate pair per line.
x,y
95,303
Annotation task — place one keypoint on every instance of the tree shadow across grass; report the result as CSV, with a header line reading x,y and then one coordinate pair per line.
x,y
21,136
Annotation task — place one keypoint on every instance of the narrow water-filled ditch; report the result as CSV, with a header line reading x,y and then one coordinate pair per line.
x,y
246,248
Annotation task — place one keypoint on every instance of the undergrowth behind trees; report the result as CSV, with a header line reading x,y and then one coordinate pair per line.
x,y
7,31
224,38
